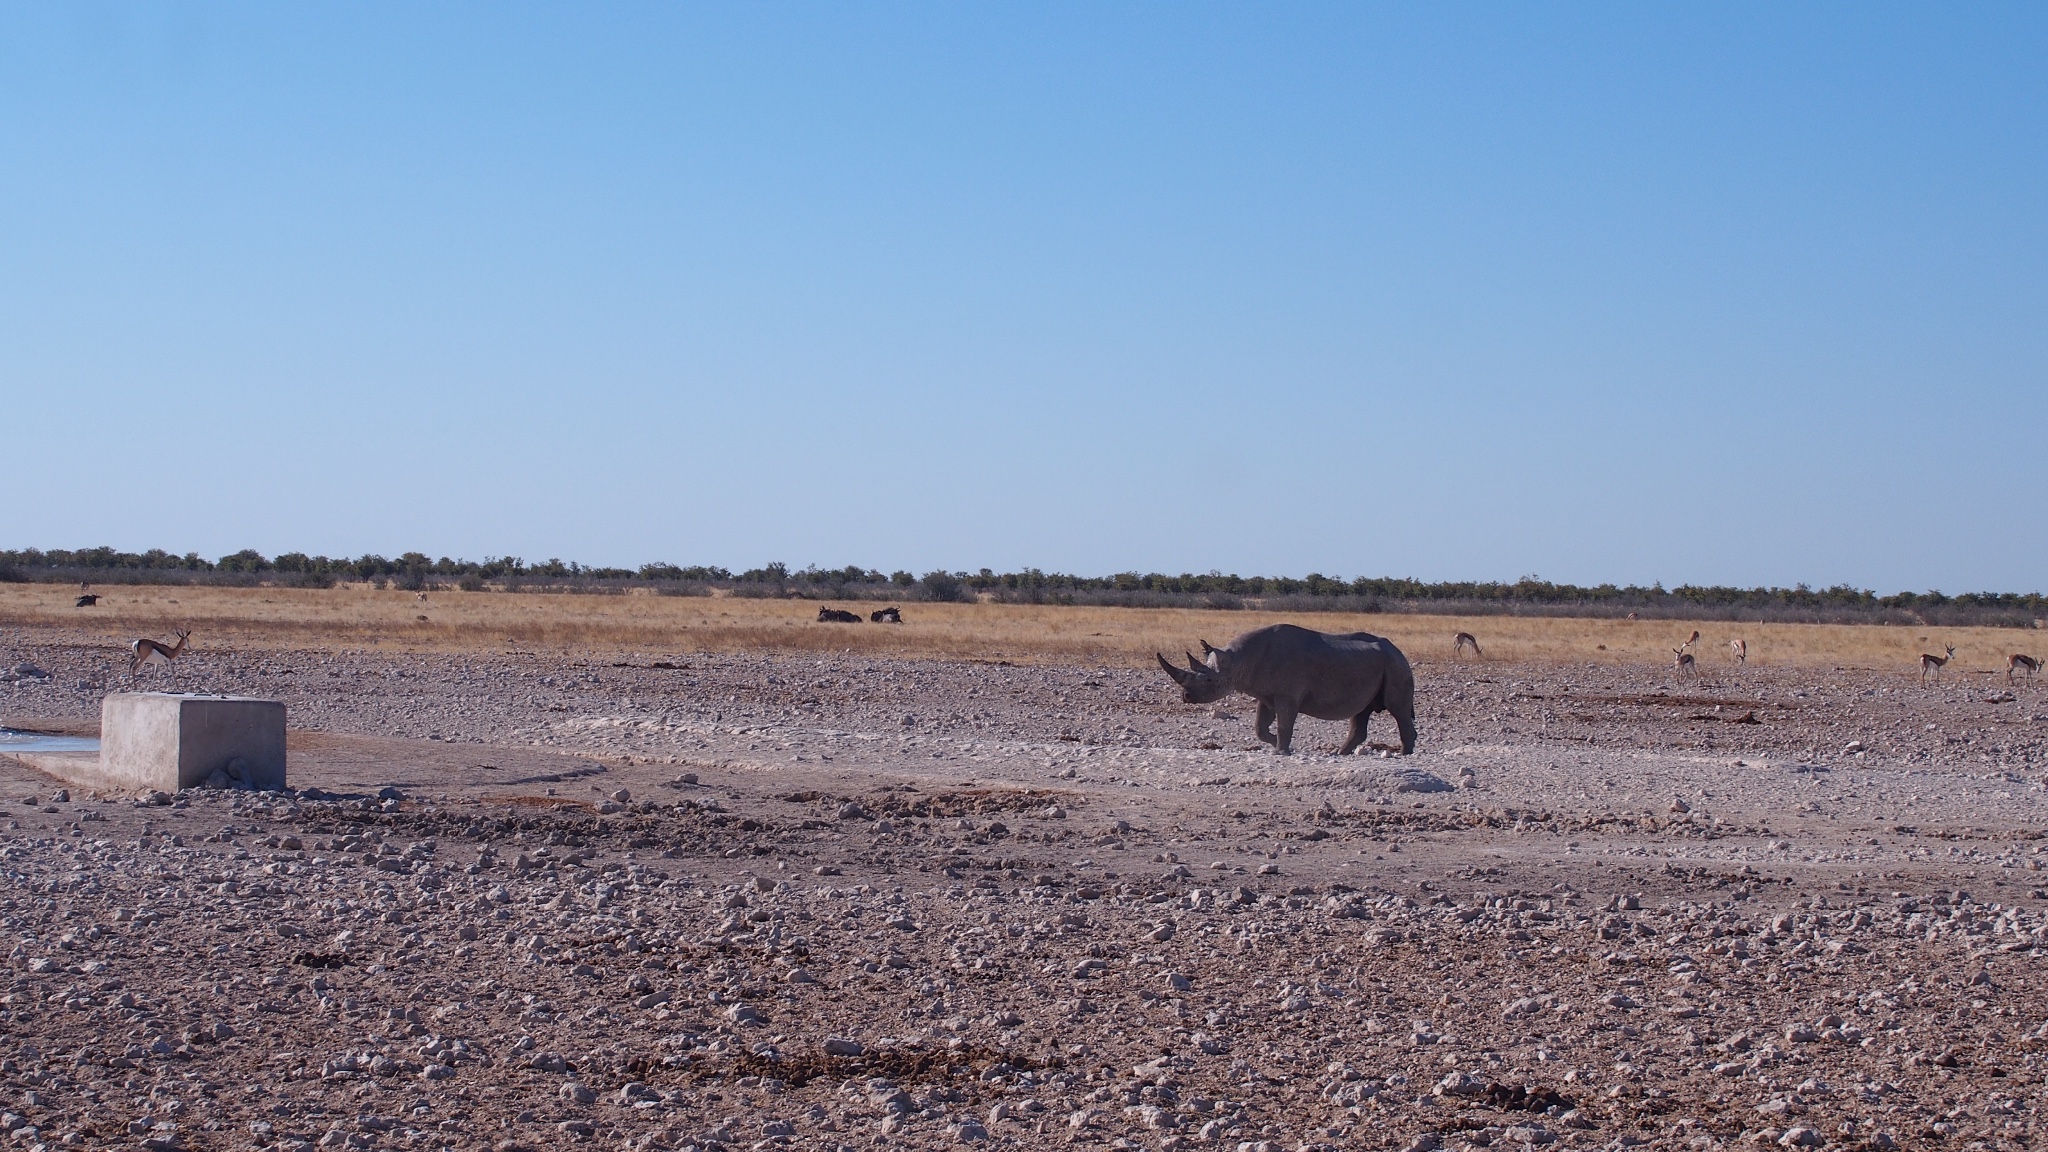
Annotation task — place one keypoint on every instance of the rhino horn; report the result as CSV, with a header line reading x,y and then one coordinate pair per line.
x,y
1195,664
1180,675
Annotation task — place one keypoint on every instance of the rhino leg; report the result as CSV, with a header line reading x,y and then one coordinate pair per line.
x,y
1400,703
1284,712
1266,722
1357,736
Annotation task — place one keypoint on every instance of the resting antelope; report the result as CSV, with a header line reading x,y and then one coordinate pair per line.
x,y
2015,662
1934,664
1685,662
1740,650
147,651
1463,641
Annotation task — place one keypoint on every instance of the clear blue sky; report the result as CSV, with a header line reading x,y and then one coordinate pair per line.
x,y
1720,293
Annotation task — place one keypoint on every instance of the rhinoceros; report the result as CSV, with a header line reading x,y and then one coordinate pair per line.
x,y
1293,672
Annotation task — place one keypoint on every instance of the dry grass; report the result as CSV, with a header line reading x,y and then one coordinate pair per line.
x,y
652,626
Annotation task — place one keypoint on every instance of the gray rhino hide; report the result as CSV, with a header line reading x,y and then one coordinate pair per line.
x,y
1294,672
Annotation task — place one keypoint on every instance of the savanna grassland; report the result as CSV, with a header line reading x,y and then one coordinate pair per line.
x,y
455,621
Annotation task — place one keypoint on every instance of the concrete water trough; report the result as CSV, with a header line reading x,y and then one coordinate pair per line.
x,y
164,741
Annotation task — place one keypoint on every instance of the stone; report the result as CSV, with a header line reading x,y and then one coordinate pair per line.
x,y
1460,1084
839,1046
1416,780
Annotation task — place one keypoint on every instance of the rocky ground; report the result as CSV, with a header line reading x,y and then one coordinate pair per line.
x,y
524,900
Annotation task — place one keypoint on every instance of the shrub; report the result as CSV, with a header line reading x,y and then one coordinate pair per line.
x,y
945,587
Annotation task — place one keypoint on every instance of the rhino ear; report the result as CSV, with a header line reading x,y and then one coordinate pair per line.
x,y
1206,649
1180,676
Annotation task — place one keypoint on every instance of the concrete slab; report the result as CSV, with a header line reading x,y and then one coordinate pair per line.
x,y
80,768
168,741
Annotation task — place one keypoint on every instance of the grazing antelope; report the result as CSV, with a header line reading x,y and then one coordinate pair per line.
x,y
1934,664
1685,662
147,651
2015,662
1740,650
422,596
1465,640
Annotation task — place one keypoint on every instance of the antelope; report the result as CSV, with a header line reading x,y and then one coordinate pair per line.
x,y
1689,641
147,651
2015,662
1934,664
1465,640
1740,650
422,596
1685,662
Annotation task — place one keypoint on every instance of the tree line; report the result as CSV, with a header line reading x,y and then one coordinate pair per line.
x,y
1313,592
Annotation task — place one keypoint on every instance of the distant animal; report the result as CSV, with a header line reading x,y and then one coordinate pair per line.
x,y
889,615
87,601
1935,664
1685,662
422,596
146,651
1294,672
1631,616
836,616
2015,662
1740,650
1464,640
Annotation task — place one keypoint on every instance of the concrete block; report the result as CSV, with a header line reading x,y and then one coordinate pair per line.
x,y
170,741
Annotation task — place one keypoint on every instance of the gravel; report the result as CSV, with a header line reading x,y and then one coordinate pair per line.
x,y
744,900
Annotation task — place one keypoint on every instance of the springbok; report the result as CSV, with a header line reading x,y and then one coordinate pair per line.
x,y
2015,662
1689,641
1685,662
146,651
1740,650
1935,664
1464,640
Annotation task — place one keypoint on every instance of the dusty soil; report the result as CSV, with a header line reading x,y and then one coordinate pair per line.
x,y
609,903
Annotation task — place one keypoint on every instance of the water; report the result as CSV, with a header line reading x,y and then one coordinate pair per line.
x,y
12,741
